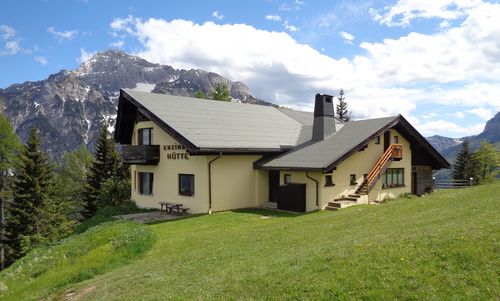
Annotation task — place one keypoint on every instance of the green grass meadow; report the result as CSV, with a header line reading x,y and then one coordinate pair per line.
x,y
439,247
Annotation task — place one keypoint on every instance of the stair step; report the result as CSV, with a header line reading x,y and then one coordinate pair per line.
x,y
334,204
354,196
331,208
345,198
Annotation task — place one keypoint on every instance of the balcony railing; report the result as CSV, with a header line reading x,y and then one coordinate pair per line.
x,y
141,154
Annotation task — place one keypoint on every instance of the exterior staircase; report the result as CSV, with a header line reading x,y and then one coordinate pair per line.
x,y
393,153
343,202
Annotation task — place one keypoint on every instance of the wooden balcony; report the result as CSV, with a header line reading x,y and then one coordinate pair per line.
x,y
141,154
397,152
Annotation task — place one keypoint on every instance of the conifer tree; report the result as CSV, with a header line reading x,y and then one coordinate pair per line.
x,y
10,147
27,222
221,93
341,108
104,166
465,166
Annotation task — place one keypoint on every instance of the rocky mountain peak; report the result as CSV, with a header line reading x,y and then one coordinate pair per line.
x,y
70,107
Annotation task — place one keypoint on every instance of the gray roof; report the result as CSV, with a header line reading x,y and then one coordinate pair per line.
x,y
210,124
321,154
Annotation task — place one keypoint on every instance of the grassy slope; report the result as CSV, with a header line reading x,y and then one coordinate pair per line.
x,y
440,247
48,270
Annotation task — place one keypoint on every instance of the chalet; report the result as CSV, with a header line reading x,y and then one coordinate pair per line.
x,y
215,156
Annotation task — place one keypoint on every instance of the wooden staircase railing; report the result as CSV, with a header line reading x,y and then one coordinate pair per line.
x,y
393,153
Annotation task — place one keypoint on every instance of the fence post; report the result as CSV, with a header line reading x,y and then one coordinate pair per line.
x,y
471,181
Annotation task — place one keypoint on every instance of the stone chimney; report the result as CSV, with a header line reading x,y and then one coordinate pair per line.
x,y
324,117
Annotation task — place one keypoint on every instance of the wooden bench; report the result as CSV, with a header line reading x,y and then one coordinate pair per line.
x,y
170,207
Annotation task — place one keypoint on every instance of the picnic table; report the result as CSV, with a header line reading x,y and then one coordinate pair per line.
x,y
172,208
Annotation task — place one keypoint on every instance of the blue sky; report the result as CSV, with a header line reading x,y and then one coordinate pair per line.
x,y
436,62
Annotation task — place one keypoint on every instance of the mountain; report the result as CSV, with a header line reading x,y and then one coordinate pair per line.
x,y
440,143
449,147
491,133
70,107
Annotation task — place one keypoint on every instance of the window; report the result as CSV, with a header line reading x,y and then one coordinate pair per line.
x,y
145,182
287,178
144,136
393,177
352,179
186,184
329,180
377,140
396,139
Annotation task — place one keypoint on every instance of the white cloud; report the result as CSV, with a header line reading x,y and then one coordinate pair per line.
x,y
404,11
456,115
458,67
469,52
217,15
273,17
62,35
85,55
7,32
290,27
41,60
11,48
117,44
348,38
286,24
482,113
294,5
452,129
122,23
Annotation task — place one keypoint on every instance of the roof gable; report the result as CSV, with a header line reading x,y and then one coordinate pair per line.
x,y
319,155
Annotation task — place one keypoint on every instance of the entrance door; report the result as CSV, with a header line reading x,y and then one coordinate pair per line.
x,y
387,140
274,184
292,197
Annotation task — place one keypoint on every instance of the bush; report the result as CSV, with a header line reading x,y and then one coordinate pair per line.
x,y
114,191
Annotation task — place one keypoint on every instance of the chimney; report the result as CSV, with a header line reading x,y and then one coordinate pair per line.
x,y
324,120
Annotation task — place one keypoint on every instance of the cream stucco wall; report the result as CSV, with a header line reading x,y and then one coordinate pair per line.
x,y
377,193
235,184
166,175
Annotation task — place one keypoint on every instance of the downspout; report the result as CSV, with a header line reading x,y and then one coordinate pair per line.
x,y
317,188
210,182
